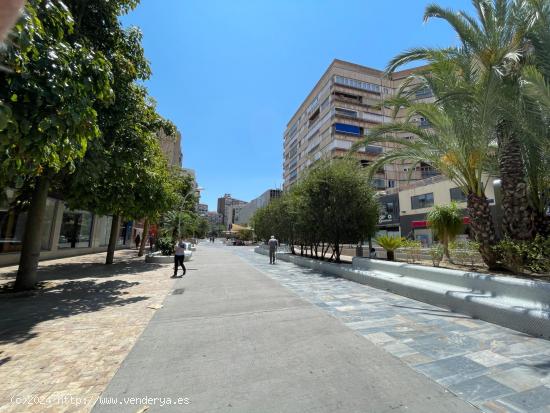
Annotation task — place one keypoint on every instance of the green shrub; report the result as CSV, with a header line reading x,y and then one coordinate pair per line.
x,y
436,253
533,255
465,252
412,249
165,245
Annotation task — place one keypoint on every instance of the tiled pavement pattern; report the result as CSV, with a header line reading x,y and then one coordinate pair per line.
x,y
70,338
494,368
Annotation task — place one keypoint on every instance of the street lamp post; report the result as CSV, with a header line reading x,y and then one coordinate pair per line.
x,y
199,189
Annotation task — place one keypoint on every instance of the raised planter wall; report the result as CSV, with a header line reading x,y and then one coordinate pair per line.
x,y
522,305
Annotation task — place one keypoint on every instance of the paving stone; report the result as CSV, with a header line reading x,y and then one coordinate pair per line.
x,y
519,378
488,358
480,352
72,336
480,389
530,400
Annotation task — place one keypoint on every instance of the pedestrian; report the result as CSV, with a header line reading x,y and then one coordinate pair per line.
x,y
372,253
137,240
151,243
179,257
273,244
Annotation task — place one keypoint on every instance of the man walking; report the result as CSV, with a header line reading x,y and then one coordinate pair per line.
x,y
273,244
179,257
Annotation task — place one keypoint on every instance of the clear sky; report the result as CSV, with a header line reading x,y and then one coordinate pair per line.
x,y
231,73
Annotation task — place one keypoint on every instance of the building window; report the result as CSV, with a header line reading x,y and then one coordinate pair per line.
x,y
324,104
125,233
347,129
422,201
314,117
346,112
391,183
424,93
379,183
374,149
12,226
458,195
313,104
104,230
369,87
348,97
76,229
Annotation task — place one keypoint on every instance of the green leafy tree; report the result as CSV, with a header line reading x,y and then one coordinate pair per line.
x,y
331,206
446,223
123,173
56,82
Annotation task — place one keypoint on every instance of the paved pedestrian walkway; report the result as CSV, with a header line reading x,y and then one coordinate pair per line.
x,y
61,345
231,339
497,369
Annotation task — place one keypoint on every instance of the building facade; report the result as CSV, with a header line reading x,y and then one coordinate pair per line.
x,y
404,210
242,215
65,232
340,110
171,147
225,208
202,210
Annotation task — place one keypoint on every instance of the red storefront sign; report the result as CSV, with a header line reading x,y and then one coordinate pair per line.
x,y
424,224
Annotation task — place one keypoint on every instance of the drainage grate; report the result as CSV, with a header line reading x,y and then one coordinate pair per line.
x,y
178,291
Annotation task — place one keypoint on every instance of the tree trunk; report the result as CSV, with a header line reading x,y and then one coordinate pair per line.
x,y
112,239
517,215
32,237
446,252
483,229
144,238
390,255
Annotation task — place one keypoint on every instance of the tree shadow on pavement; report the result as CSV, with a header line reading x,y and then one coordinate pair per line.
x,y
79,270
21,312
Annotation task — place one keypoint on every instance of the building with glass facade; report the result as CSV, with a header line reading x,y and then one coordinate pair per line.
x,y
65,232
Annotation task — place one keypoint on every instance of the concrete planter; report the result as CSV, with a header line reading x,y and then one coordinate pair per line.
x,y
157,258
522,305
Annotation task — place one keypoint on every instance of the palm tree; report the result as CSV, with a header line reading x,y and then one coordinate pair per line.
x,y
460,142
446,223
535,118
390,244
497,40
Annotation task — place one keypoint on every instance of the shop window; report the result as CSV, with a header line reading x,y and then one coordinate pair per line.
x,y
12,226
76,229
104,230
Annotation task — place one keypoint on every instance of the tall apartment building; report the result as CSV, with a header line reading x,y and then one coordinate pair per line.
x,y
202,209
341,109
171,147
225,205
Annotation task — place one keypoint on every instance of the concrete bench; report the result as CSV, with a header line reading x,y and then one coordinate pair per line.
x,y
519,304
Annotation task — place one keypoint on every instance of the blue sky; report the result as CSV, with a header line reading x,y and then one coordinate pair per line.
x,y
230,74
